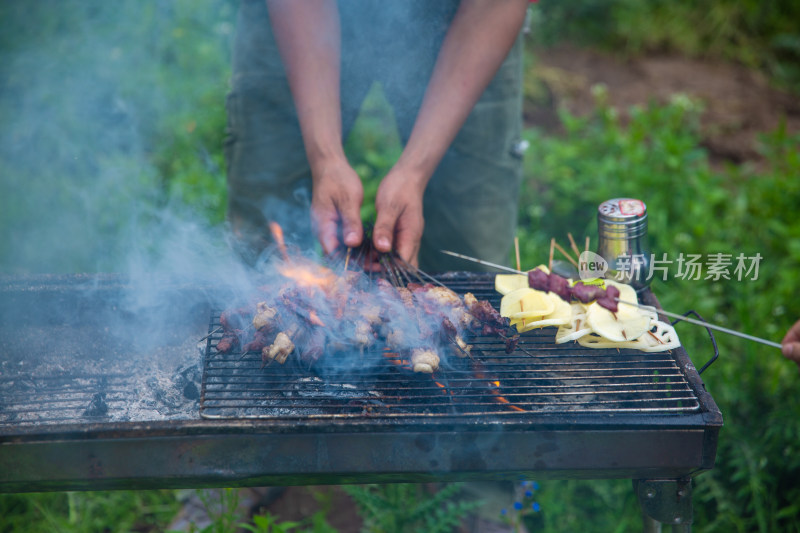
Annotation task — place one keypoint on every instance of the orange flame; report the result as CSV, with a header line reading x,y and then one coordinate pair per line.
x,y
314,318
311,276
502,399
277,234
445,389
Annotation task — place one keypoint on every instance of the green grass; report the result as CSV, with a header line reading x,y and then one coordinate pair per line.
x,y
113,511
692,209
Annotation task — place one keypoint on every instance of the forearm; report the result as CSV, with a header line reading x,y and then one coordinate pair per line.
x,y
308,36
479,39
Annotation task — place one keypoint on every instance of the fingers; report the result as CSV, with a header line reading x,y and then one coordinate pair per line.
x,y
407,246
791,350
385,222
793,335
336,205
791,344
399,229
325,222
327,217
352,231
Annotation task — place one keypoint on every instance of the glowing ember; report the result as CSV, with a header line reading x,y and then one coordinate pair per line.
x,y
502,399
444,389
393,357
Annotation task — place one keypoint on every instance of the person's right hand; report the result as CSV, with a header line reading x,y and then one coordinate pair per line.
x,y
791,344
336,197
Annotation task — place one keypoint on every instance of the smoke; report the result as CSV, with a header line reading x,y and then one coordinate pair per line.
x,y
112,127
97,101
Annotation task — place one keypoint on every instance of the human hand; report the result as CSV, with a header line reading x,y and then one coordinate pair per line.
x,y
336,197
791,344
399,222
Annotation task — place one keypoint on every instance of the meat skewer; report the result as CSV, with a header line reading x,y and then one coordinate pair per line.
x,y
611,300
314,311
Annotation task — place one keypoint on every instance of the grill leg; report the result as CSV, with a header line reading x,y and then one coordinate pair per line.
x,y
665,501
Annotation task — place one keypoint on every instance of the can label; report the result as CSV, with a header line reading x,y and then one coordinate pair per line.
x,y
629,207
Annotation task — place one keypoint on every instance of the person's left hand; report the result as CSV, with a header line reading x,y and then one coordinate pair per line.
x,y
399,222
791,344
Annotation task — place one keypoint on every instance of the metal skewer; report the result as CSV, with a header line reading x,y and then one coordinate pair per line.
x,y
666,313
482,262
707,325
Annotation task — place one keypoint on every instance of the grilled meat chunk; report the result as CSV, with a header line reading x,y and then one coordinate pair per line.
x,y
265,316
586,293
234,319
228,342
450,332
484,312
606,298
260,339
539,280
424,360
278,350
609,299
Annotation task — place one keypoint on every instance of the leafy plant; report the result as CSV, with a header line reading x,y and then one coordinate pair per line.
x,y
692,209
87,512
524,508
267,524
401,508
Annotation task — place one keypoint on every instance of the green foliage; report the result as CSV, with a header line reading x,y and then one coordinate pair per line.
x,y
405,508
694,209
373,147
110,111
89,512
268,524
223,510
757,34
221,506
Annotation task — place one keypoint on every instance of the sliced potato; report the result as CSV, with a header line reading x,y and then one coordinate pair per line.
x,y
561,310
525,303
626,324
543,268
562,314
506,283
626,292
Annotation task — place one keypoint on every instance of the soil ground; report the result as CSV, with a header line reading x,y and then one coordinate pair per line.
x,y
739,103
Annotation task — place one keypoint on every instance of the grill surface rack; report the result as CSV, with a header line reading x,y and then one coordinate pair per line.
x,y
538,377
544,410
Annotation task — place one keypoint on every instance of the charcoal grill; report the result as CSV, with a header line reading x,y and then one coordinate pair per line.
x,y
85,405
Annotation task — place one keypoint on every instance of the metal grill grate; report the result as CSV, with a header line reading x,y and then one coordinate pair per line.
x,y
53,399
563,378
